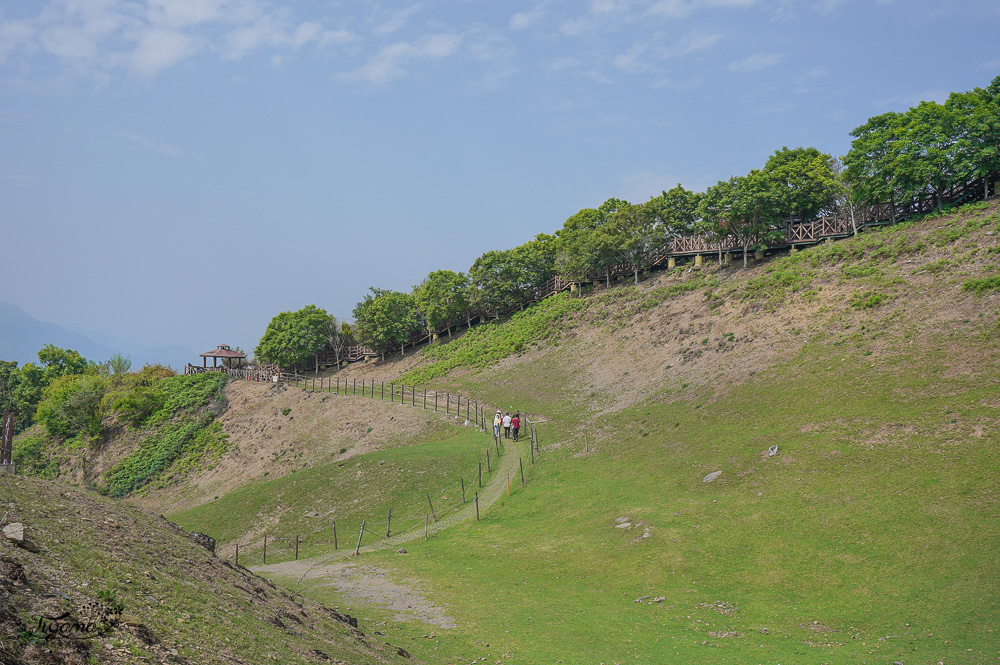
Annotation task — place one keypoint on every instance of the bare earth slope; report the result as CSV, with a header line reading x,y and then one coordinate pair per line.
x,y
274,430
179,603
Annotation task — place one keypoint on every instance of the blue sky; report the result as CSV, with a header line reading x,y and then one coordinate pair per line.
x,y
179,171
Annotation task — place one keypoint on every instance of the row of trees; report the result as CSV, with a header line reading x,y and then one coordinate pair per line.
x,y
894,157
927,150
23,389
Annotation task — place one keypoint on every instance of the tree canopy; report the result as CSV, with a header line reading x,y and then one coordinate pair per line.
x,y
385,320
292,339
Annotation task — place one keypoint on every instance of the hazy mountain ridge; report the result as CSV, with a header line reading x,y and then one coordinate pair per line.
x,y
23,335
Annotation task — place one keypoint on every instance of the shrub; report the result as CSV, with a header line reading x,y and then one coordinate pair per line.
x,y
867,300
33,456
71,405
981,284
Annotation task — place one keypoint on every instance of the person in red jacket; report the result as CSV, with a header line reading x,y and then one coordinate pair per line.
x,y
515,424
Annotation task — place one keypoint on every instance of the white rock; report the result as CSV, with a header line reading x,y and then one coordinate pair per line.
x,y
712,476
14,531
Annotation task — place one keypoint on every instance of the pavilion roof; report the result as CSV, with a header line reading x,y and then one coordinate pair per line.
x,y
223,351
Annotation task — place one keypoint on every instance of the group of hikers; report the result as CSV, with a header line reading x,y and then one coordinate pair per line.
x,y
508,422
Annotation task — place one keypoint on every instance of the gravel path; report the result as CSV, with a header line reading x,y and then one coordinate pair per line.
x,y
508,468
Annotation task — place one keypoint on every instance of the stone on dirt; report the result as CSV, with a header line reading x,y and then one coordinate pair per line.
x,y
712,476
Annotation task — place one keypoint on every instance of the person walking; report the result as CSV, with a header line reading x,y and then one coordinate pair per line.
x,y
497,422
515,424
506,425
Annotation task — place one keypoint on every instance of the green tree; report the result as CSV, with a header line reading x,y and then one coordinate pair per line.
x,y
386,320
573,256
633,231
802,181
442,297
872,167
60,362
292,339
504,279
715,211
931,151
978,114
676,210
71,405
119,365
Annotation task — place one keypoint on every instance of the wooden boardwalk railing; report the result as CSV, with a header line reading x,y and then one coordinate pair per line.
x,y
796,232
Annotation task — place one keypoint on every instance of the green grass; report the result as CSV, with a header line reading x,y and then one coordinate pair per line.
x,y
982,284
871,521
362,488
491,342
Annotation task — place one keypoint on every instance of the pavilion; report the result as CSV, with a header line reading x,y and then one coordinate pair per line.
x,y
222,351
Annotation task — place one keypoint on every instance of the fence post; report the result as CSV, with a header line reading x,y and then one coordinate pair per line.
x,y
335,535
447,402
488,469
477,506
297,537
497,441
355,386
435,401
382,393
265,550
432,507
357,550
463,490
388,525
480,475
425,526
532,449
413,396
237,554
425,399
520,463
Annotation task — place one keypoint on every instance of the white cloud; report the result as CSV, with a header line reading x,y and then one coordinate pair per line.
x,y
391,62
183,13
497,53
160,49
563,63
691,43
145,38
576,27
525,20
632,60
396,21
143,142
755,62
14,35
685,8
71,43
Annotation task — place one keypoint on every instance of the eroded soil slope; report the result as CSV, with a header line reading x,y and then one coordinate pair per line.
x,y
274,429
178,602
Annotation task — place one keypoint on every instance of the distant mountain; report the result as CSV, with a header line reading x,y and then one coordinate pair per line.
x,y
22,335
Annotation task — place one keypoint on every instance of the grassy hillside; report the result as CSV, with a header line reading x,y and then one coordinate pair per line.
x,y
870,362
166,598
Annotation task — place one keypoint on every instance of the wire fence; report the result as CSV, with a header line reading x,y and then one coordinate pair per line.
x,y
504,468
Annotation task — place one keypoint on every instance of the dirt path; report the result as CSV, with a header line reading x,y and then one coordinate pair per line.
x,y
366,583
371,584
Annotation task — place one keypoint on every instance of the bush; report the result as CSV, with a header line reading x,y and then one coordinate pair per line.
x,y
135,406
982,284
71,405
867,300
33,456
